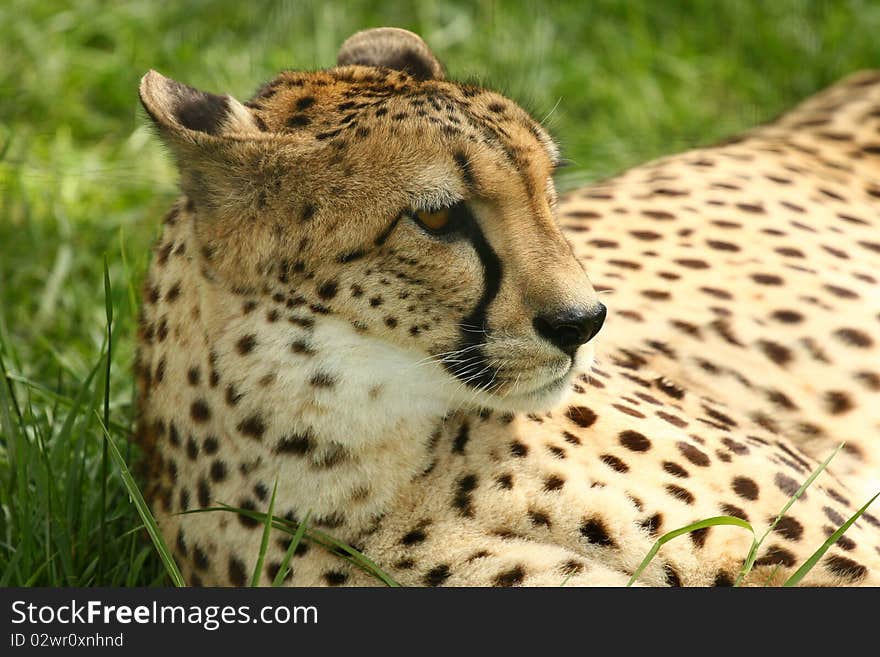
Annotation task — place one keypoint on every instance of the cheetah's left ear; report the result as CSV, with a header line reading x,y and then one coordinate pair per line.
x,y
183,113
393,48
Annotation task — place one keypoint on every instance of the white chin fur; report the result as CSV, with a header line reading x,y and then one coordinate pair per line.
x,y
423,386
538,399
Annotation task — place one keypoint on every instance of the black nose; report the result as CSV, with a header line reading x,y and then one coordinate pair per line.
x,y
572,327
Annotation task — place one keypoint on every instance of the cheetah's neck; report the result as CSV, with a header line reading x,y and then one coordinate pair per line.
x,y
343,420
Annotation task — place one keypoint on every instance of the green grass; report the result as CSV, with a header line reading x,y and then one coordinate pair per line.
x,y
298,531
757,541
81,177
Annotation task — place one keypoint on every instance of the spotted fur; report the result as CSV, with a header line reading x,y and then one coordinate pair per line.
x,y
300,328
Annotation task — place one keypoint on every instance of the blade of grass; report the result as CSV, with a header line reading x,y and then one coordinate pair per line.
x,y
87,576
264,542
132,545
136,566
808,565
10,390
62,400
294,544
63,439
770,577
732,521
132,293
5,148
331,544
132,312
144,511
108,305
35,576
8,408
18,453
5,339
753,551
67,442
13,572
48,482
354,556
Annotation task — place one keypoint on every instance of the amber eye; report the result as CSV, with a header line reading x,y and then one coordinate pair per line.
x,y
435,220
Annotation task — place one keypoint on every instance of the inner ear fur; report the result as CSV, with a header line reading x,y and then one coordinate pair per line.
x,y
393,48
185,113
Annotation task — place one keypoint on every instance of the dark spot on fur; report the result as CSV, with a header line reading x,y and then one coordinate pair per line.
x,y
172,294
787,485
335,577
672,576
776,352
246,344
846,567
237,574
581,416
553,483
652,524
614,463
698,536
462,499
461,439
745,488
203,493
297,121
675,469
328,290
571,438
199,411
414,537
518,449
308,212
594,531
735,511
634,441
505,481
512,577
232,395
776,555
252,427
437,575
693,454
296,443
680,493
789,528
322,380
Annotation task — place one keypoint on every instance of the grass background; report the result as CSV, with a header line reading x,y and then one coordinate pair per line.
x,y
619,82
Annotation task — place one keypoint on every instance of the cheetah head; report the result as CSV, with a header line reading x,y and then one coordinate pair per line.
x,y
416,211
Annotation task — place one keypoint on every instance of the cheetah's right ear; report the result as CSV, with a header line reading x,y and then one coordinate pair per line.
x,y
185,114
393,48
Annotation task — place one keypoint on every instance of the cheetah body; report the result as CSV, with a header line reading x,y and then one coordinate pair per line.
x,y
740,347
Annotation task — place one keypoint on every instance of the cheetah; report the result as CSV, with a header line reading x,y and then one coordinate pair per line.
x,y
369,299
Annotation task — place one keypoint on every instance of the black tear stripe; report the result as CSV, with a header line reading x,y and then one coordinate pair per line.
x,y
357,254
472,366
385,234
467,173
